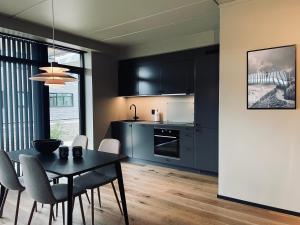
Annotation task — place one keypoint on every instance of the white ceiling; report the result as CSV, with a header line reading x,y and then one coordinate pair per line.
x,y
120,22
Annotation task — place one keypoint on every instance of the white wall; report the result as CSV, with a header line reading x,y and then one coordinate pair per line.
x,y
259,149
171,45
106,106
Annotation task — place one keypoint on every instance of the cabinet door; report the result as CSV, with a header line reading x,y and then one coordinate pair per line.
x,y
207,88
148,78
206,149
123,132
177,77
143,141
127,78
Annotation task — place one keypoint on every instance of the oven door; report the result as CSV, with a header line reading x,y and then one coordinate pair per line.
x,y
166,145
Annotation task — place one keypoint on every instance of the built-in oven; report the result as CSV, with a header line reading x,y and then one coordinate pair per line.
x,y
166,143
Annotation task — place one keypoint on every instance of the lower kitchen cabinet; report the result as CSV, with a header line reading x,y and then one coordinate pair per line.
x,y
142,141
137,141
206,149
123,132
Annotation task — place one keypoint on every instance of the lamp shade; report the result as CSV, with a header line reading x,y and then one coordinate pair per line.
x,y
53,75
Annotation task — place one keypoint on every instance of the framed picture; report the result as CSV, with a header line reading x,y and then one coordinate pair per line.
x,y
271,78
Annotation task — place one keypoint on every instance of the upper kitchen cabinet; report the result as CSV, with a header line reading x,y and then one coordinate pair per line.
x,y
177,77
128,78
207,88
171,73
148,77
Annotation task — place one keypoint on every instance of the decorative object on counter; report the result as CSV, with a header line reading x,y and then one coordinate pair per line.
x,y
46,146
155,115
77,152
271,82
63,152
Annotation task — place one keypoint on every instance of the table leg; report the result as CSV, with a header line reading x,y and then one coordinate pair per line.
x,y
122,191
70,201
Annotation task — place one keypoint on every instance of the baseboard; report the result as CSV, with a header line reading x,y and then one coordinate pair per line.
x,y
260,205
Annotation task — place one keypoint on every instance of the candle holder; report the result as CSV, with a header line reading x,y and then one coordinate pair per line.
x,y
77,152
64,152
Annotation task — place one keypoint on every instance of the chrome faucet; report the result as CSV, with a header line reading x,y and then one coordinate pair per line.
x,y
135,117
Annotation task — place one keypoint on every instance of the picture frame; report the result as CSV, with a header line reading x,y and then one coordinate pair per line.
x,y
271,78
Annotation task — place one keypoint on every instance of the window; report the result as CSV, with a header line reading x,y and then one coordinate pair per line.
x,y
61,100
65,57
66,102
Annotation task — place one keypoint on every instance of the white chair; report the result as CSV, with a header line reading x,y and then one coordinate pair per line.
x,y
38,187
9,179
102,176
80,140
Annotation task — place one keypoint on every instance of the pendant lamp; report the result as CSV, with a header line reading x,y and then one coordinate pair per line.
x,y
53,75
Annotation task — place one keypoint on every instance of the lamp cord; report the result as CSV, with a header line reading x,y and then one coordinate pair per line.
x,y
53,31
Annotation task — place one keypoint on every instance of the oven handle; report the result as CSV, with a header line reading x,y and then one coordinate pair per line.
x,y
165,143
156,135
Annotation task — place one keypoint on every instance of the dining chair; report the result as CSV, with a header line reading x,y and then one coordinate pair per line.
x,y
79,140
10,180
102,176
38,187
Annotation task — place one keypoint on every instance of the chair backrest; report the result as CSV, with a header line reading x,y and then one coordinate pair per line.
x,y
110,145
80,140
8,175
36,181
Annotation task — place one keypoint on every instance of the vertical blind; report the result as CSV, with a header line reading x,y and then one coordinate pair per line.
x,y
21,100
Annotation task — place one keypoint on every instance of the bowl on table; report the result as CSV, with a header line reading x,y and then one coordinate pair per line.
x,y
46,146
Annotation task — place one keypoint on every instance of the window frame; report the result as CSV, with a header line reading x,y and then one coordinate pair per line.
x,y
80,71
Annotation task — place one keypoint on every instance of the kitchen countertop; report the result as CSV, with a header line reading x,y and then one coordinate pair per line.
x,y
163,123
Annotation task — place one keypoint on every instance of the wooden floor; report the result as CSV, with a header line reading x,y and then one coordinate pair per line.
x,y
160,196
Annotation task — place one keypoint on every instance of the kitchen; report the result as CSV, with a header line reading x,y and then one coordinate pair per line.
x,y
173,109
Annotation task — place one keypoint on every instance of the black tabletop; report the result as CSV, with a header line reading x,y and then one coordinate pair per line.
x,y
91,159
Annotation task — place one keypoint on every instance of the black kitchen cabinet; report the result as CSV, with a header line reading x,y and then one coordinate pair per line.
x,y
207,88
128,78
177,77
123,132
206,149
148,77
206,109
171,73
142,141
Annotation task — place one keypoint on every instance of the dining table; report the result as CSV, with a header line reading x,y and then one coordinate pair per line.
x,y
70,167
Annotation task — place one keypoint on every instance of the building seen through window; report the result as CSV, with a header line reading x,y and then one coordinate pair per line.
x,y
61,99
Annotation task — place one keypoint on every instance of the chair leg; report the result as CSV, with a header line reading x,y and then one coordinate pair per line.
x,y
56,209
82,212
117,198
92,203
31,213
99,197
51,214
87,196
17,208
3,202
63,212
56,181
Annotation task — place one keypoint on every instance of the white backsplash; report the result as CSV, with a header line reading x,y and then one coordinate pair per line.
x,y
145,104
180,112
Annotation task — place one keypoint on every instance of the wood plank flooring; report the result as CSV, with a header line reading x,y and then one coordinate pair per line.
x,y
159,196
